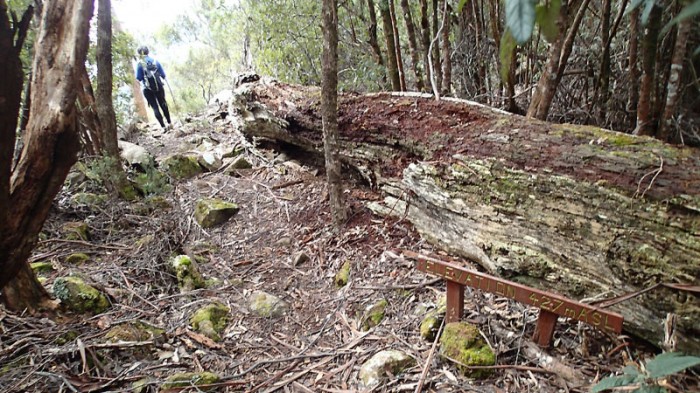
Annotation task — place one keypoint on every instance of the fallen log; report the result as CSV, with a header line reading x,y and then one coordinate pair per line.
x,y
589,213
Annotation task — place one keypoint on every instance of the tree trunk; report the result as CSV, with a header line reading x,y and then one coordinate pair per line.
x,y
373,41
437,60
645,117
51,142
604,80
11,40
397,45
510,193
446,50
413,45
329,108
673,89
604,75
425,36
89,125
558,57
392,67
633,70
116,178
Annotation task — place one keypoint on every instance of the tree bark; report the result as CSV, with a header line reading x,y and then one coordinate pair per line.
x,y
436,58
11,39
446,50
329,108
425,36
103,97
373,41
556,63
397,45
392,67
51,142
510,193
633,70
115,179
413,45
673,89
645,113
604,75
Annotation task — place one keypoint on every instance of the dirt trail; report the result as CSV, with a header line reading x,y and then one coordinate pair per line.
x,y
316,346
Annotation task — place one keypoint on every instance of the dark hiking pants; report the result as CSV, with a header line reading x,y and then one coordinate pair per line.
x,y
155,99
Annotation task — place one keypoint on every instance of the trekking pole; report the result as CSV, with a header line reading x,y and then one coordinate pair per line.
x,y
172,95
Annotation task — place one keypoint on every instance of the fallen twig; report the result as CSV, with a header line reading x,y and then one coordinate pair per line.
x,y
426,367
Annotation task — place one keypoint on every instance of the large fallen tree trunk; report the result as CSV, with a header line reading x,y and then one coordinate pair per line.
x,y
586,212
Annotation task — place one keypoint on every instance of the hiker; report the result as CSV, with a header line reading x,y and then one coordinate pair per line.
x,y
151,75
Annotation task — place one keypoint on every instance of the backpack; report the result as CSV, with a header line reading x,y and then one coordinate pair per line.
x,y
151,75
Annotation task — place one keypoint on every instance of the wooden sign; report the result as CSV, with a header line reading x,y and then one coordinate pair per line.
x,y
551,305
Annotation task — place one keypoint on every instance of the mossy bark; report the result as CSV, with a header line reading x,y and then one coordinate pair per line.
x,y
573,209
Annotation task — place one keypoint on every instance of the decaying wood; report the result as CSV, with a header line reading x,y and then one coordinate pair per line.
x,y
565,208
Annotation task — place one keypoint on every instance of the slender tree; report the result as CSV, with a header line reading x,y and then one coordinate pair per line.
x,y
51,142
673,87
372,32
632,69
413,45
116,178
645,112
397,45
329,108
392,67
425,36
437,60
446,49
559,52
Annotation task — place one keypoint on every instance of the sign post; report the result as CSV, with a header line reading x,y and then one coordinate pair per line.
x,y
551,305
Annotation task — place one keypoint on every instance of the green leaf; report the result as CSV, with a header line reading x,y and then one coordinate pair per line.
x,y
505,54
650,389
613,382
546,16
520,19
648,6
670,363
461,5
689,11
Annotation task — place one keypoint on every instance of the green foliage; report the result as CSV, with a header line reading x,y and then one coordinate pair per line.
x,y
520,19
689,11
152,182
546,16
661,366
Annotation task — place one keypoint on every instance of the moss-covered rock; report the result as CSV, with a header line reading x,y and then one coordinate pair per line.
x,y
141,385
153,203
462,342
211,320
189,379
433,319
212,212
75,231
341,278
210,160
240,162
180,166
187,273
41,267
373,315
88,199
77,259
382,365
133,331
78,296
266,305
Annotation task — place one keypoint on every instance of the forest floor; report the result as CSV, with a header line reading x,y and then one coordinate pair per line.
x,y
317,345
